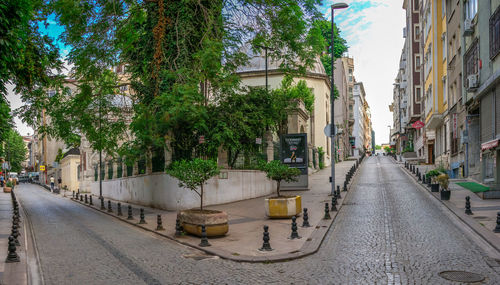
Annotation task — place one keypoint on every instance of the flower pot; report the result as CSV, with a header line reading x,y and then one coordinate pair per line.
x,y
215,222
434,187
445,194
283,207
7,189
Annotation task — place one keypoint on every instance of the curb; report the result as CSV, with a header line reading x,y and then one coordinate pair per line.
x,y
489,237
309,248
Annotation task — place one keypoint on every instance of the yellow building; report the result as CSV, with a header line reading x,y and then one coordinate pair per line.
x,y
434,76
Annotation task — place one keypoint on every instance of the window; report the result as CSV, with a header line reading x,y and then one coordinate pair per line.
x,y
123,88
415,5
443,43
495,33
445,98
51,93
417,33
418,93
350,75
417,62
471,60
470,9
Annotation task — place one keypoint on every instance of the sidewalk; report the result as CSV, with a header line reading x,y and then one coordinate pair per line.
x,y
11,273
484,212
246,221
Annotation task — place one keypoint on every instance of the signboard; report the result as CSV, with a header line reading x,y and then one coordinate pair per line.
x,y
294,153
201,139
418,125
42,167
327,130
490,144
258,140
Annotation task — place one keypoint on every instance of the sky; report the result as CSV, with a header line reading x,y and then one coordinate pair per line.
x,y
374,33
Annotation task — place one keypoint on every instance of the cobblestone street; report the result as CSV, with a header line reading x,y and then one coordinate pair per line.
x,y
388,232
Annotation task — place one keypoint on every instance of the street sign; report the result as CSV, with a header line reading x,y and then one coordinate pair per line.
x,y
418,125
42,167
326,130
201,139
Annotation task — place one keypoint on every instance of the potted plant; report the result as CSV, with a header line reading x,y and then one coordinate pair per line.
x,y
193,174
281,206
8,186
433,174
443,180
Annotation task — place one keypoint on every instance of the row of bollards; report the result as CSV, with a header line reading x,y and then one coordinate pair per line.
x,y
425,179
13,243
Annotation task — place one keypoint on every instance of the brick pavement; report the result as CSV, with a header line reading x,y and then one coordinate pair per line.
x,y
387,232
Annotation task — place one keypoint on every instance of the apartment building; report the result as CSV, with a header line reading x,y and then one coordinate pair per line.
x,y
344,105
359,128
481,74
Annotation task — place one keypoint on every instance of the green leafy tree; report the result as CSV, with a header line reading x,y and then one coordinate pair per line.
x,y
193,174
378,147
181,56
278,172
15,150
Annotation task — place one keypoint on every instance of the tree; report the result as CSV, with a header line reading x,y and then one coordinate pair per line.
x,y
181,56
193,174
340,47
378,147
15,150
278,172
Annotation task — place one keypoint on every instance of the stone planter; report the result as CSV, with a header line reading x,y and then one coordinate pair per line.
x,y
215,222
445,194
7,189
283,207
434,187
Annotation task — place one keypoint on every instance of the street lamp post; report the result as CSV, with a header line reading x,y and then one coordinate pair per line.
x,y
332,100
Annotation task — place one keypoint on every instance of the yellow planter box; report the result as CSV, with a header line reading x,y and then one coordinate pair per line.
x,y
283,207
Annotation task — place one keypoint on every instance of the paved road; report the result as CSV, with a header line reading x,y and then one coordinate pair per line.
x,y
389,233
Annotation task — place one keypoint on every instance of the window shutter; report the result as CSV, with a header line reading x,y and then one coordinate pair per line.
x,y
486,118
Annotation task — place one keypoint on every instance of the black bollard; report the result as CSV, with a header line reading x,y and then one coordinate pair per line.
x,y
73,194
327,212
130,213
12,256
81,198
497,228
76,196
86,199
110,209
467,206
178,228
204,241
305,219
15,234
334,204
266,246
338,193
345,186
102,203
159,226
294,233
119,209
90,200
142,221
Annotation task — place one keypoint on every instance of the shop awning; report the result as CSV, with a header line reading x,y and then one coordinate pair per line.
x,y
489,145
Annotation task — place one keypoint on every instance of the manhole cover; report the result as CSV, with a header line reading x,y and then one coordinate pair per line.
x,y
461,276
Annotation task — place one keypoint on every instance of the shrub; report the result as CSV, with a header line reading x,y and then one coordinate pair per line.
x,y
278,172
193,174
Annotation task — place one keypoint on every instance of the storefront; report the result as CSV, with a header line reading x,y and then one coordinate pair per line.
x,y
489,158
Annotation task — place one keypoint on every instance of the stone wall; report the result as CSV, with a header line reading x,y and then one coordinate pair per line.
x,y
162,191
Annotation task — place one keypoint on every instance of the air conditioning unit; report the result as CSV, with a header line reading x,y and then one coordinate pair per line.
x,y
472,82
468,27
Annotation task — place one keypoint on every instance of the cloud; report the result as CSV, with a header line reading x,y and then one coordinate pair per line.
x,y
374,33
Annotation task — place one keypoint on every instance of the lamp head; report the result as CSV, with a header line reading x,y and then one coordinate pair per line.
x,y
339,6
